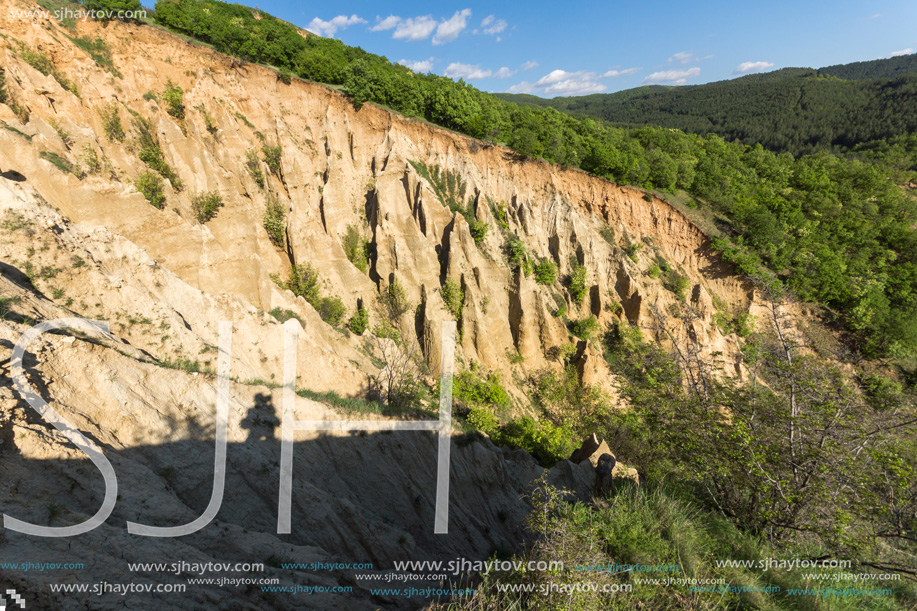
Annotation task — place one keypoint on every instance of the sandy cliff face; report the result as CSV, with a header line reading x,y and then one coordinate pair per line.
x,y
95,248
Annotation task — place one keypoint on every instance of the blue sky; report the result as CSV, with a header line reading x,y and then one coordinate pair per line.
x,y
575,48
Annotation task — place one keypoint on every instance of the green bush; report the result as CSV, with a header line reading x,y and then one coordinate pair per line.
x,y
90,159
111,122
473,388
676,283
272,155
206,205
254,167
453,297
274,221
654,272
173,97
285,315
359,322
356,247
608,234
516,256
150,184
576,282
394,300
151,153
546,272
332,310
585,328
478,230
302,281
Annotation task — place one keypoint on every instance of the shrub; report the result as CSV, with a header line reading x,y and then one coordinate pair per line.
x,y
206,205
150,184
359,322
173,98
654,272
272,158
546,272
454,298
285,315
514,249
274,221
608,234
151,154
302,281
356,248
473,388
395,300
576,282
332,310
209,122
632,249
111,122
90,159
676,283
254,167
584,328
284,76
478,230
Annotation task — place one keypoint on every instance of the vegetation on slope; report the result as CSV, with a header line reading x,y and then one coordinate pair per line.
x,y
832,229
795,110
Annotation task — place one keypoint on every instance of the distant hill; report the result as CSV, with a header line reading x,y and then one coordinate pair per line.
x,y
797,110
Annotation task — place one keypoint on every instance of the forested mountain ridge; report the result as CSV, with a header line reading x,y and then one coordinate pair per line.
x,y
795,110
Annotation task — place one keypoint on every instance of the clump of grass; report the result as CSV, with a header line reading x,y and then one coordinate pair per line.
x,y
90,160
99,51
59,162
209,121
61,133
43,64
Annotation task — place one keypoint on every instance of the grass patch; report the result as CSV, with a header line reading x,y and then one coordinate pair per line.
x,y
59,162
99,51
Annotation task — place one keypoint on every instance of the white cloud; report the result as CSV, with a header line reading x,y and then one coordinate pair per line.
x,y
561,82
626,72
684,57
876,16
422,66
466,71
329,28
529,65
752,67
448,30
523,87
414,28
385,24
504,72
675,77
491,26
907,51
681,58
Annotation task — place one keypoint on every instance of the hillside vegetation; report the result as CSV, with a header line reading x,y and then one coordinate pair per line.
x,y
795,110
833,230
